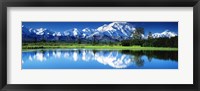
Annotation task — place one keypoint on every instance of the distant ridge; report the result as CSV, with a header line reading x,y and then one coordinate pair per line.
x,y
113,32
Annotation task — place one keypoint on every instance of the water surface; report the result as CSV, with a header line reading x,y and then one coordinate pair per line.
x,y
99,59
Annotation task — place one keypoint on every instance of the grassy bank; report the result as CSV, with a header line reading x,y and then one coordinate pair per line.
x,y
89,46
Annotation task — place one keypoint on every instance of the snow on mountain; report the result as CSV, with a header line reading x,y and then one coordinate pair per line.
x,y
31,34
169,34
75,32
105,27
72,32
40,31
118,27
57,34
66,33
86,32
164,34
115,31
144,37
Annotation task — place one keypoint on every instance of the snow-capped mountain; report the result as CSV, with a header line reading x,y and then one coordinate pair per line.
x,y
57,34
164,34
72,32
30,34
116,30
113,32
87,32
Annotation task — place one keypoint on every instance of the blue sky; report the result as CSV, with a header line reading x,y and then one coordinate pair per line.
x,y
153,27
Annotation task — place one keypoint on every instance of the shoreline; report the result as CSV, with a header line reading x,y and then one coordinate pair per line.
x,y
100,48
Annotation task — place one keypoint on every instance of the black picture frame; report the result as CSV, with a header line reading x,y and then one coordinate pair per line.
x,y
99,3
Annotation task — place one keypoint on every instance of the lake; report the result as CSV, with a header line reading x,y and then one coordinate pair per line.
x,y
98,59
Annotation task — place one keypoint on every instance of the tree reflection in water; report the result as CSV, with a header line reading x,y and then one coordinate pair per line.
x,y
137,58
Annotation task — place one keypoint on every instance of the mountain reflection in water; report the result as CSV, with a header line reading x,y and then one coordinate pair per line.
x,y
99,59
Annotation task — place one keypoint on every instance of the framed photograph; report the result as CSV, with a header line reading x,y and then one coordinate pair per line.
x,y
90,45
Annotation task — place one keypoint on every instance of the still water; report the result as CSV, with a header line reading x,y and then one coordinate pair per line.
x,y
99,59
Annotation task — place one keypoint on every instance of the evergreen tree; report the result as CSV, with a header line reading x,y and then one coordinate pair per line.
x,y
150,35
138,33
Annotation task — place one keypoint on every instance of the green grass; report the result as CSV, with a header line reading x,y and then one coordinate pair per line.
x,y
89,46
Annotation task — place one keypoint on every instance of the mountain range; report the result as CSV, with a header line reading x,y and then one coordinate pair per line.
x,y
113,32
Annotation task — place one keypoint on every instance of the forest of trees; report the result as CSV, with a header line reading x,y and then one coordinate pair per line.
x,y
150,41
